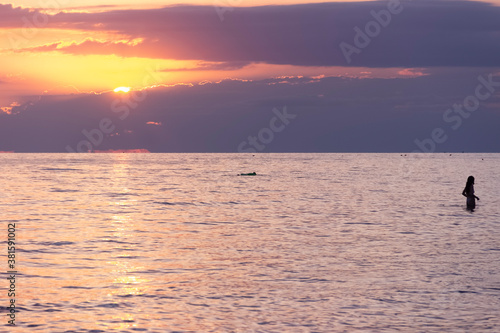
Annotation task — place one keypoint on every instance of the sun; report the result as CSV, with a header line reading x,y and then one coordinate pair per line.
x,y
122,90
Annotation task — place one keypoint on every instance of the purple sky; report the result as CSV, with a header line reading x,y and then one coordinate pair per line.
x,y
421,75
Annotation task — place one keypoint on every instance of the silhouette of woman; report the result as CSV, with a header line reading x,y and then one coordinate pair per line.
x,y
469,193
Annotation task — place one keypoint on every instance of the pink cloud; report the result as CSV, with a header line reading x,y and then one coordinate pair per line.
x,y
16,17
412,72
126,151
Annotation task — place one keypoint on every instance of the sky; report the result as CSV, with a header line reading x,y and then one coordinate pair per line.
x,y
224,76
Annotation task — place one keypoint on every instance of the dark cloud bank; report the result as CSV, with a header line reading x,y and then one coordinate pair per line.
x,y
331,114
417,33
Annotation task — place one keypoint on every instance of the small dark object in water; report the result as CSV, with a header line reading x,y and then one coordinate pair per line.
x,y
248,174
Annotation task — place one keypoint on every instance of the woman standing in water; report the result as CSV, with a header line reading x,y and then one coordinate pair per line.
x,y
469,193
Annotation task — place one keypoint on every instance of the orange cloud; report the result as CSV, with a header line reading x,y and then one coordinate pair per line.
x,y
9,109
123,48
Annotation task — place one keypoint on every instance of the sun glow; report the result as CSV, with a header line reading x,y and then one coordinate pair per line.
x,y
122,90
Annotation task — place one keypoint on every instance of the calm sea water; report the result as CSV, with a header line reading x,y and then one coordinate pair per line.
x,y
313,243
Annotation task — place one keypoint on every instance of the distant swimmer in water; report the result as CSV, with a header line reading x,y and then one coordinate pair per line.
x,y
469,193
248,174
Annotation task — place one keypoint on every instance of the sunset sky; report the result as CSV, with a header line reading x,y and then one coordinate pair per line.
x,y
206,75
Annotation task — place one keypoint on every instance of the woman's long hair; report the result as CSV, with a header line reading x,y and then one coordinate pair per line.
x,y
470,182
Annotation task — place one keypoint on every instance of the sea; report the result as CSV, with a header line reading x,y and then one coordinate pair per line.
x,y
311,243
